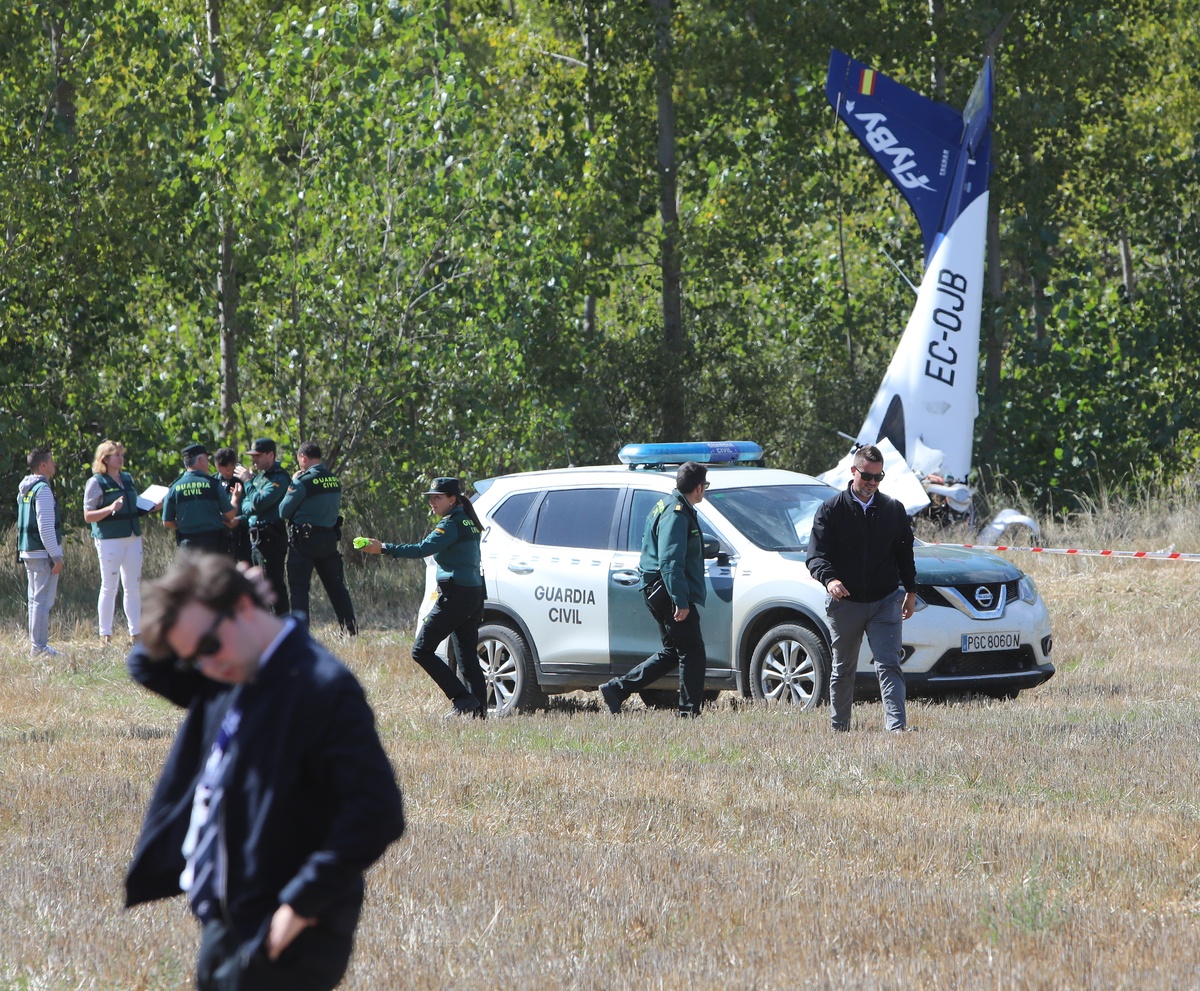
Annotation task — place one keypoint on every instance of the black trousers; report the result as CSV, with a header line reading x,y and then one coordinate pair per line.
x,y
269,547
320,552
238,543
315,961
682,648
209,541
456,615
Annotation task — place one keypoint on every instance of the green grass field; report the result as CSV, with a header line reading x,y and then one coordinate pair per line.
x,y
1047,842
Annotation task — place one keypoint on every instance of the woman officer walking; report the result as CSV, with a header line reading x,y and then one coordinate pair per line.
x,y
454,544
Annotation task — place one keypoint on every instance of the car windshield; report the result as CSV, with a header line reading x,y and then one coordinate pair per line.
x,y
774,517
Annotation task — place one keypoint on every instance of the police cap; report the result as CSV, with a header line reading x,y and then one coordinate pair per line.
x,y
445,486
194,450
262,445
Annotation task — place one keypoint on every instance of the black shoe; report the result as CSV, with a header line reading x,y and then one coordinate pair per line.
x,y
467,706
612,697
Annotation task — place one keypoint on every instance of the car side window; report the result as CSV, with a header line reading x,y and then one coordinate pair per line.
x,y
576,518
510,514
643,501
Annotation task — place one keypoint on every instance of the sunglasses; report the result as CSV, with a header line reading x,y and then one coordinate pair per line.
x,y
867,476
208,644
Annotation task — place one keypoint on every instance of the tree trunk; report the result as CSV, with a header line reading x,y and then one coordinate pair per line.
x,y
589,60
673,408
227,284
937,11
1127,276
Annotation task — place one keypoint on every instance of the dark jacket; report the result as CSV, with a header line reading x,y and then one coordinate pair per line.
x,y
454,544
264,493
315,496
311,799
673,547
871,553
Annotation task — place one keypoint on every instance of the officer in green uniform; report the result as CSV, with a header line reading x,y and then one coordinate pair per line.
x,y
197,507
311,507
259,510
229,474
672,567
454,544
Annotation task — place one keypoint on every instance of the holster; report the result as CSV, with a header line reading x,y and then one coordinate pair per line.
x,y
266,534
298,533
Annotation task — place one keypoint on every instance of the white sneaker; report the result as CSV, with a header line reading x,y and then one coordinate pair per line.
x,y
46,652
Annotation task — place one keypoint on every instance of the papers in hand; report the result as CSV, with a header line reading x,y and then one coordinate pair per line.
x,y
151,497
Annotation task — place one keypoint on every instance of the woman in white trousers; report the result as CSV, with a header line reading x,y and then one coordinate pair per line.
x,y
110,506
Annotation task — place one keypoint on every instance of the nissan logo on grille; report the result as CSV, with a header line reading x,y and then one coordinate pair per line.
x,y
983,597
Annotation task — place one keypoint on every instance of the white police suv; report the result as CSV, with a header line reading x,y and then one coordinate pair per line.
x,y
564,611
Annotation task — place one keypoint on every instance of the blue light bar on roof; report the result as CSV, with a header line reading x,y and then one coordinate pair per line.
x,y
709,452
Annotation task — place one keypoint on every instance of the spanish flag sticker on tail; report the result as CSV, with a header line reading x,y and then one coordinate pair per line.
x,y
866,82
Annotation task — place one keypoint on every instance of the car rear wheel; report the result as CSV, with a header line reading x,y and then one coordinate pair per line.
x,y
507,664
790,665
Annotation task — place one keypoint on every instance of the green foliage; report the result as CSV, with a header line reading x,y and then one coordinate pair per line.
x,y
448,241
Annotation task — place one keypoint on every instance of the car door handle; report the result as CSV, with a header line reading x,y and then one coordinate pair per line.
x,y
520,568
627,577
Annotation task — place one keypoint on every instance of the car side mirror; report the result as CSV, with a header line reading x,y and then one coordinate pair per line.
x,y
712,550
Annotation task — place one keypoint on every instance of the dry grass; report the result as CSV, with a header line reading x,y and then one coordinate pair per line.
x,y
1050,842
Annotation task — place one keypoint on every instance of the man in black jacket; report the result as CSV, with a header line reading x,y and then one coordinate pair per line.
x,y
861,550
277,794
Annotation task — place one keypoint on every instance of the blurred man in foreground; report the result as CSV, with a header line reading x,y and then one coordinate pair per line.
x,y
277,794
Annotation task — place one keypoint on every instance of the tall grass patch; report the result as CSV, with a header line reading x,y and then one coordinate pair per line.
x,y
1044,842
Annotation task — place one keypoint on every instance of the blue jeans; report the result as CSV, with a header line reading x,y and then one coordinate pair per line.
x,y
881,623
42,591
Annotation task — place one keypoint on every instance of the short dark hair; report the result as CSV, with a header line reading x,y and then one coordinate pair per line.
x,y
690,475
213,580
225,456
38,457
310,450
868,452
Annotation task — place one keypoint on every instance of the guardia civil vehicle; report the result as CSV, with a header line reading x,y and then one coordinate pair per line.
x,y
564,611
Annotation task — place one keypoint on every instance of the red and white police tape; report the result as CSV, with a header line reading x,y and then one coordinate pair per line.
x,y
1146,555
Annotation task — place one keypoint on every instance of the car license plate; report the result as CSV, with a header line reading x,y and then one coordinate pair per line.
x,y
974,643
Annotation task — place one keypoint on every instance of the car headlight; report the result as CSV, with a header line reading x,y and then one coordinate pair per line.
x,y
1029,592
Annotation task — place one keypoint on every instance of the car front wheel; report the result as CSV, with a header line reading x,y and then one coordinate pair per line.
x,y
791,665
507,664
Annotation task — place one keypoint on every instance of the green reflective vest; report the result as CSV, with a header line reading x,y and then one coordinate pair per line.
x,y
29,537
125,522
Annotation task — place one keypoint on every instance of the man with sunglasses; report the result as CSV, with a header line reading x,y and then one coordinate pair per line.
x,y
277,794
861,551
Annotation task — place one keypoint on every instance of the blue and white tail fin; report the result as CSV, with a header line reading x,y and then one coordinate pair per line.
x,y
940,159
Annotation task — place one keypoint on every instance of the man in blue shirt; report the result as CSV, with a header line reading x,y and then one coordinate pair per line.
x,y
277,794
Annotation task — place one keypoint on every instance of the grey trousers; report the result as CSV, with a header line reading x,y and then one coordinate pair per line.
x,y
880,622
43,588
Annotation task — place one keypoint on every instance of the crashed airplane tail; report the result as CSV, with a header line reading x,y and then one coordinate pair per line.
x,y
939,159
